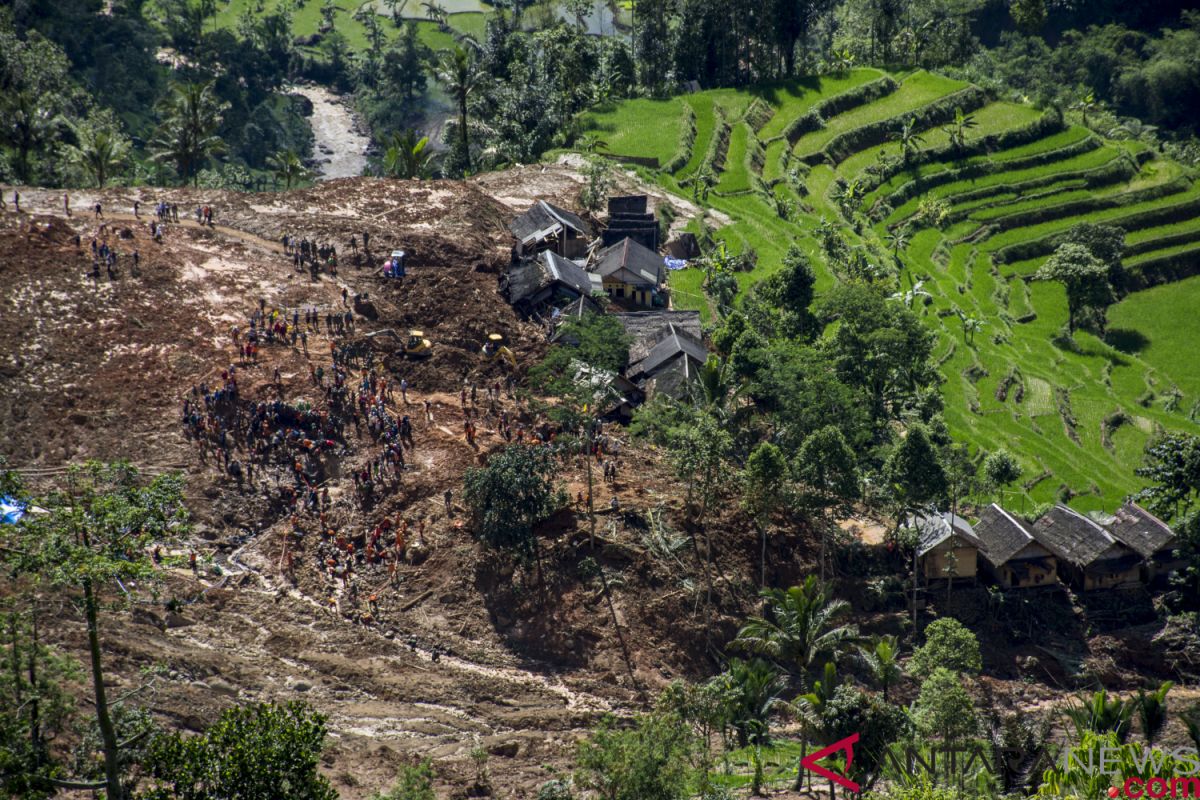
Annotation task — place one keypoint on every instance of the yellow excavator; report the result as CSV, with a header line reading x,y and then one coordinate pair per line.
x,y
494,347
417,346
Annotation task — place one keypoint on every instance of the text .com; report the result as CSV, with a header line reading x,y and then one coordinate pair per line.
x,y
1157,787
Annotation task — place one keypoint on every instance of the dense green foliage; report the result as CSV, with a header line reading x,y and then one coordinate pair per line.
x,y
251,752
949,645
510,496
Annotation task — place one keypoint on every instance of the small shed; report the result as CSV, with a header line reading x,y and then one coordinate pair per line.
x,y
1010,553
631,271
548,227
946,547
1088,555
1150,537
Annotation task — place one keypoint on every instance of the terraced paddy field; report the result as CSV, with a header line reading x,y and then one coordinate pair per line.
x,y
1078,415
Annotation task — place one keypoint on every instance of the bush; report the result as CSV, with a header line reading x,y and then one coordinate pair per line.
x,y
251,752
415,783
645,762
944,708
949,645
511,495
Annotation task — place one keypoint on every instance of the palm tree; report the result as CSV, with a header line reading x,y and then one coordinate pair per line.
x,y
405,156
459,73
101,152
808,709
589,143
801,625
187,134
843,61
1086,105
287,167
958,129
898,239
753,690
29,121
436,14
884,662
1098,714
970,326
908,138
1133,129
1152,710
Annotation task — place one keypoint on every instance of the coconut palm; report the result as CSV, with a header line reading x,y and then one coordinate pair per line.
x,y
1151,710
405,156
898,239
883,660
100,151
807,709
802,624
1133,129
187,135
287,167
458,72
753,690
436,13
909,139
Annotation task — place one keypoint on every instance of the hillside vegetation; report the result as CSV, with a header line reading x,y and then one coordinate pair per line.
x,y
986,193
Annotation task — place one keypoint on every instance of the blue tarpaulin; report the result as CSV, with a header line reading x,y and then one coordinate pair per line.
x,y
675,263
11,511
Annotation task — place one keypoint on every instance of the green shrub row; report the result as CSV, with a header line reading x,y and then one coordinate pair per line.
x,y
1045,125
758,114
1087,205
1163,242
718,148
1115,171
814,118
938,112
1165,269
1045,245
686,142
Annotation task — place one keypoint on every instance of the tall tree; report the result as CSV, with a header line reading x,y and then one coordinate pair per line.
x,y
93,539
1086,280
187,134
765,481
100,150
287,167
827,470
510,496
460,75
405,156
1172,465
801,625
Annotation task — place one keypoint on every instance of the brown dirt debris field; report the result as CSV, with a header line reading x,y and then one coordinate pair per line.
x,y
460,653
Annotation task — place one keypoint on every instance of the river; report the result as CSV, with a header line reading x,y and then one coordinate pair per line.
x,y
340,147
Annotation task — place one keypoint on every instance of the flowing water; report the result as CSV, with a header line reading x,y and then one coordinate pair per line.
x,y
340,148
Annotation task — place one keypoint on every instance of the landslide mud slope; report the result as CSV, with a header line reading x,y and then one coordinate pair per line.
x,y
464,652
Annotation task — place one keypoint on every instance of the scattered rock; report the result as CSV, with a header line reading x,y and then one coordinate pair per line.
x,y
301,686
506,749
221,686
177,620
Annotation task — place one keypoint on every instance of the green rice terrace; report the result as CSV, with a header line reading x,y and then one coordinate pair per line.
x,y
964,196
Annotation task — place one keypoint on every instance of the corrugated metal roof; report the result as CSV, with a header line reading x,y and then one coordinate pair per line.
x,y
545,219
635,258
1141,530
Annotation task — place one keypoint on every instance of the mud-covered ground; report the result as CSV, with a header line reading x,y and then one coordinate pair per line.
x,y
98,369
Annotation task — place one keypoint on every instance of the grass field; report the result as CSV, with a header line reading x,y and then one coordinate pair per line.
x,y
1145,367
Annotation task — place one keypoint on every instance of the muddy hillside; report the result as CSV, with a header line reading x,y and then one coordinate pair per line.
x,y
367,595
